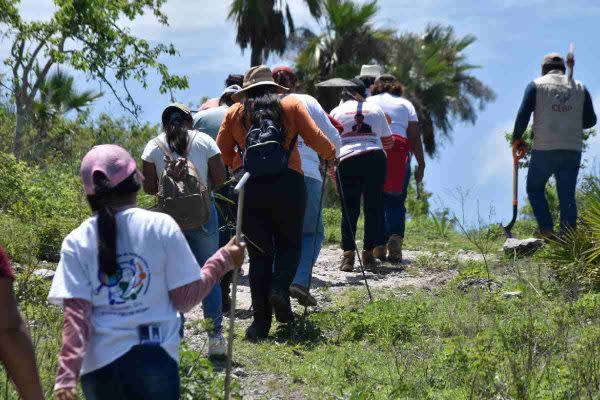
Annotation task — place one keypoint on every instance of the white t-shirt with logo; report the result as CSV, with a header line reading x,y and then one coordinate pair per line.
x,y
361,138
309,157
153,257
400,111
203,148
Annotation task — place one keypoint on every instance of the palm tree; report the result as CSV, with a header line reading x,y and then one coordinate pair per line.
x,y
348,40
438,80
58,96
261,25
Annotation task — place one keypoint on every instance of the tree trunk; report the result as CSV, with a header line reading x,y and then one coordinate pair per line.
x,y
255,57
19,130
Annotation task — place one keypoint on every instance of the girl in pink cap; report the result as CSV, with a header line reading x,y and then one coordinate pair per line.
x,y
123,275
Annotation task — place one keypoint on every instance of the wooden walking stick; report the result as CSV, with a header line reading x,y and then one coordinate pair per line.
x,y
239,188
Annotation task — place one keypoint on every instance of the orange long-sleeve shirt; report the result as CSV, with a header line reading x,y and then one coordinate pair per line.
x,y
296,120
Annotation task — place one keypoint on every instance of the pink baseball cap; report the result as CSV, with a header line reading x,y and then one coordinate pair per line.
x,y
112,160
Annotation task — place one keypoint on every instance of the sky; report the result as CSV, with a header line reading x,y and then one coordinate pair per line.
x,y
513,36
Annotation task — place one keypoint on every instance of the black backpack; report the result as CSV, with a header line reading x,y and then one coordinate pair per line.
x,y
265,154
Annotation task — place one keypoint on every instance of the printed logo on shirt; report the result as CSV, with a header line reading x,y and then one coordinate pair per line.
x,y
562,96
131,280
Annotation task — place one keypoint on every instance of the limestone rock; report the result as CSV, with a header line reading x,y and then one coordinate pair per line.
x,y
512,295
46,274
522,247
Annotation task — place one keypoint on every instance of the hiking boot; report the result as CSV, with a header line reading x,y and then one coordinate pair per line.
x,y
548,236
282,307
303,296
380,253
347,261
368,259
394,246
217,347
257,331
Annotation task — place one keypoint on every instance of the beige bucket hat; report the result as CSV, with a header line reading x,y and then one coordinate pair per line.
x,y
257,76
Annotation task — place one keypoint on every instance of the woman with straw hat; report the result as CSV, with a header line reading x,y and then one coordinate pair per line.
x,y
274,202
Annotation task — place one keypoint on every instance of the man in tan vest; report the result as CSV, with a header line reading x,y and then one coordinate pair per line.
x,y
562,108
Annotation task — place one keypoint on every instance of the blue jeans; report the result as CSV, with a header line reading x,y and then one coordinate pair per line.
x,y
394,206
145,372
564,165
204,242
313,222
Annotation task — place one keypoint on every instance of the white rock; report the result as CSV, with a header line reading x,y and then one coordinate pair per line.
x,y
511,295
525,246
46,274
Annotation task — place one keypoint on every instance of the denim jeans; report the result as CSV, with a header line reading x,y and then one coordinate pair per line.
x,y
564,165
145,372
394,207
204,242
313,223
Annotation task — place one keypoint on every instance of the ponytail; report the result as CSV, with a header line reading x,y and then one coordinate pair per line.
x,y
176,131
101,203
107,227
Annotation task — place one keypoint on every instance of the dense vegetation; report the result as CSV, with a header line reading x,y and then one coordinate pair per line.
x,y
447,343
507,327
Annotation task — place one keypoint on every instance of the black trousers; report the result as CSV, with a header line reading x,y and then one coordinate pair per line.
x,y
273,217
363,176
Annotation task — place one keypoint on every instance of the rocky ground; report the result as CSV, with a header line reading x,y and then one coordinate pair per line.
x,y
420,270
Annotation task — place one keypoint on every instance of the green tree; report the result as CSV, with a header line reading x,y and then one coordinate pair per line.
x,y
88,36
261,25
58,96
438,79
348,40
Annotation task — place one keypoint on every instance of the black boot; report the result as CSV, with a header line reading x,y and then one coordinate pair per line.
x,y
262,312
282,307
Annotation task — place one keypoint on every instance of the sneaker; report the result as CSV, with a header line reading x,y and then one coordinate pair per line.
x,y
282,307
217,346
394,246
347,261
380,253
303,296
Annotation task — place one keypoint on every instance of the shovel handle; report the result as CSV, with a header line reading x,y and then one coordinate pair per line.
x,y
519,152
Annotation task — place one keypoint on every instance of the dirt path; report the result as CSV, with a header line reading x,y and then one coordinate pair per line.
x,y
327,280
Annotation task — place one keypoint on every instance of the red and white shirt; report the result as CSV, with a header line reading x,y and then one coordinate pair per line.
x,y
365,128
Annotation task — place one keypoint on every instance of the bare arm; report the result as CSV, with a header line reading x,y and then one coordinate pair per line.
x,y
216,171
417,148
16,349
150,178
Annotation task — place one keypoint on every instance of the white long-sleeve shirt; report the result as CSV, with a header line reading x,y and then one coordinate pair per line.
x,y
310,159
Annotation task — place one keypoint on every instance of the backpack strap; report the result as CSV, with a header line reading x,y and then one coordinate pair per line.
x,y
292,145
190,144
164,149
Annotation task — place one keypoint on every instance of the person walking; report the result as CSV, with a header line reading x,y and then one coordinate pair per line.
x,y
313,232
232,79
275,200
16,350
123,275
179,141
387,92
362,171
562,108
209,121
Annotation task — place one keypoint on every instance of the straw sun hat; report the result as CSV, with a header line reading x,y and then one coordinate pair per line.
x,y
257,76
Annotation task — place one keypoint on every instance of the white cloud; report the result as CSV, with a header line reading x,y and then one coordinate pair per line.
x,y
494,156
